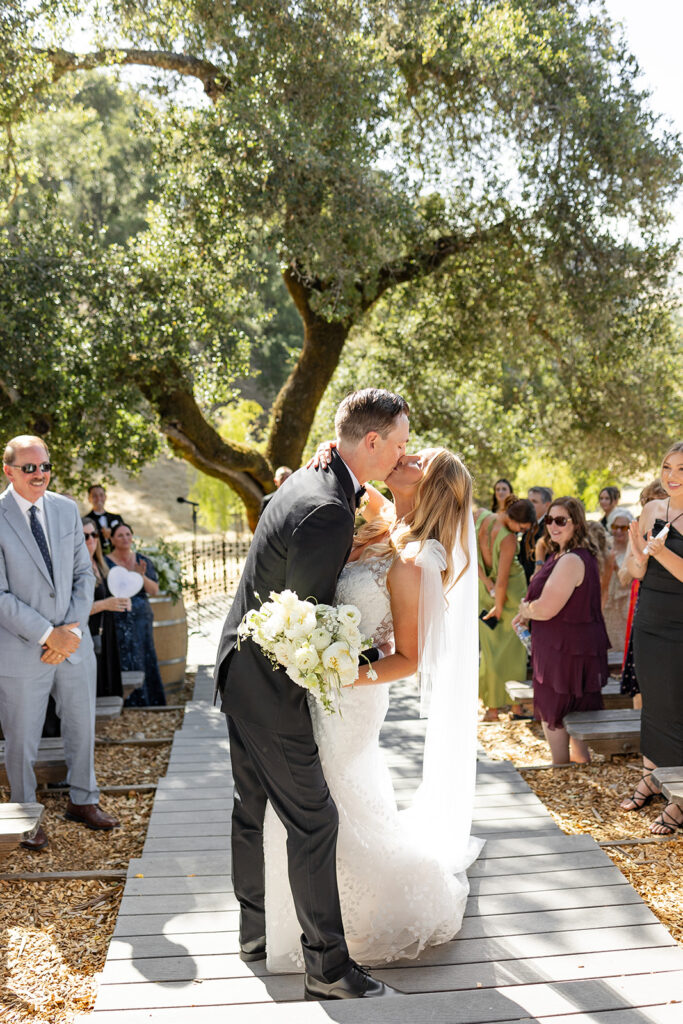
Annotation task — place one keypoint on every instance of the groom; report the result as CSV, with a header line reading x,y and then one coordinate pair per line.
x,y
301,543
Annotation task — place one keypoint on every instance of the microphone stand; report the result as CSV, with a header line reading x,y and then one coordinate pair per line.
x,y
195,576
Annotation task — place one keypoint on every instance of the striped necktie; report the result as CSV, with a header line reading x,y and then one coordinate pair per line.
x,y
41,540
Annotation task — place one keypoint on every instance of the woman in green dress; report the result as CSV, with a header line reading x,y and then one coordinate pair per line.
x,y
502,586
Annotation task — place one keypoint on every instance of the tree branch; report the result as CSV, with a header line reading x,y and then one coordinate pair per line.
x,y
425,261
210,75
240,466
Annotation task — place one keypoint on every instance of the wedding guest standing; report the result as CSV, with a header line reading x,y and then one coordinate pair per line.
x,y
568,636
134,628
616,602
103,521
657,560
540,498
608,499
101,622
629,680
501,587
502,490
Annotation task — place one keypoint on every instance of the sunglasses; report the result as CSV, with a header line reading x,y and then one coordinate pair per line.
x,y
619,529
558,520
31,467
89,536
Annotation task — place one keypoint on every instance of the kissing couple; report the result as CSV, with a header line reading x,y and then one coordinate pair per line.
x,y
325,869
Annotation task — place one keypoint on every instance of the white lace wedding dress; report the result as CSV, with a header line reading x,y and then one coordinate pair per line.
x,y
396,896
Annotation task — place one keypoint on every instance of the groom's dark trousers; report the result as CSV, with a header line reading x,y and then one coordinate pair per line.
x,y
301,543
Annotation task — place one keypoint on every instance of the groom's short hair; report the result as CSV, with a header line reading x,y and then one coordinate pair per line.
x,y
367,410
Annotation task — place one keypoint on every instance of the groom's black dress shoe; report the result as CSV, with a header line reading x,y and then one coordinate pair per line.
x,y
357,983
254,950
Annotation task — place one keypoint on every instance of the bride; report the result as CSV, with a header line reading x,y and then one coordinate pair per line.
x,y
401,875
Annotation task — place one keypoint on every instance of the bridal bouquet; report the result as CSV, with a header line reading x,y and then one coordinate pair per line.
x,y
318,645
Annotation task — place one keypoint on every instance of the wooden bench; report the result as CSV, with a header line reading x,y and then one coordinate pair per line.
x,y
131,681
16,820
523,693
50,765
670,781
606,732
108,707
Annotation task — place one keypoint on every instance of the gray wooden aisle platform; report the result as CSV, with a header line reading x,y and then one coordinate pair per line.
x,y
553,932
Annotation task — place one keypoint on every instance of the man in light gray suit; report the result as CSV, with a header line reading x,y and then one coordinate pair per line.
x,y
46,593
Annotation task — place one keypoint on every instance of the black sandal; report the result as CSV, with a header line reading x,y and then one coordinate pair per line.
x,y
638,799
670,827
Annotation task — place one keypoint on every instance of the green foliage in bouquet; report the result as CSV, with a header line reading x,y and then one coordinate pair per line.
x,y
165,557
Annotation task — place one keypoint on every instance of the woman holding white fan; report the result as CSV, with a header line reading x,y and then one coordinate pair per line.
x,y
134,628
656,558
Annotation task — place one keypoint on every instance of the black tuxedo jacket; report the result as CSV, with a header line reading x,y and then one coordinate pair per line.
x,y
301,543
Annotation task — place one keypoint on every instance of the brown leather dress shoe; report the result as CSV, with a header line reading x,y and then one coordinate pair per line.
x,y
357,983
38,841
91,815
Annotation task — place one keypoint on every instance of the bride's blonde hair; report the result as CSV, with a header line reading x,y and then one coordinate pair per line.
x,y
443,508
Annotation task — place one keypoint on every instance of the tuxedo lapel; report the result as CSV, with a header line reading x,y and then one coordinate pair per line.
x,y
344,477
15,519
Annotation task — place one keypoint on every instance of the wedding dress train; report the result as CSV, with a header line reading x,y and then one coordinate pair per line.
x,y
397,895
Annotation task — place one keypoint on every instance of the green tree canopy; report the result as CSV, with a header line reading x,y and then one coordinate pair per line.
x,y
489,173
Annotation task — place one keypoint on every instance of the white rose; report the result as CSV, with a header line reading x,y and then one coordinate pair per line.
x,y
320,638
348,614
306,658
282,652
273,625
351,634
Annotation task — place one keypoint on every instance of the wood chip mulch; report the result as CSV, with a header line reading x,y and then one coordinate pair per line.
x,y
585,799
54,935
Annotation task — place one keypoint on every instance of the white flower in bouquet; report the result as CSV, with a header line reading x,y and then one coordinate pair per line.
x,y
306,658
321,638
351,634
282,651
317,645
348,615
301,621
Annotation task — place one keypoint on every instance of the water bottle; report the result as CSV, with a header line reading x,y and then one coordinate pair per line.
x,y
524,635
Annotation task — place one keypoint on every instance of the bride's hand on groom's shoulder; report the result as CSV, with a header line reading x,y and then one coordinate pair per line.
x,y
323,456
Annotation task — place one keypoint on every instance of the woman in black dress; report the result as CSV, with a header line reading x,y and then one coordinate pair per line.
x,y
101,619
135,629
658,636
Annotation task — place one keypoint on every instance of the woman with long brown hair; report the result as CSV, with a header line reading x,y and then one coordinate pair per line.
x,y
568,637
502,584
412,574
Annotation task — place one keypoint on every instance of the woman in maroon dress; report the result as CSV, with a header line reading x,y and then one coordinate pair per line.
x,y
569,641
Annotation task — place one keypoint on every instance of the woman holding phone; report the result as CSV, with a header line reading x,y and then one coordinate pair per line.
x,y
501,587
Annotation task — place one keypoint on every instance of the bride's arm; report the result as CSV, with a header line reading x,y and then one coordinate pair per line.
x,y
403,581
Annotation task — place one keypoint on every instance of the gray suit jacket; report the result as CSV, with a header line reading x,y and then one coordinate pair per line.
x,y
29,600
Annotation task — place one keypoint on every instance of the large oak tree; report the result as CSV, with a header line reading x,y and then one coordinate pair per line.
x,y
491,169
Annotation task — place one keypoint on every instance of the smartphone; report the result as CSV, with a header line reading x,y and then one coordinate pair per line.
x,y
491,623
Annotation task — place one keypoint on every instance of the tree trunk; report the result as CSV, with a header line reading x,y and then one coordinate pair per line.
x,y
240,466
295,406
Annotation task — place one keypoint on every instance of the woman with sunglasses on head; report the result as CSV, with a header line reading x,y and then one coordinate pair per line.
x,y
102,625
568,637
656,559
617,595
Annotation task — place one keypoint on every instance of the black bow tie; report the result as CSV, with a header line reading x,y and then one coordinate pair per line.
x,y
359,495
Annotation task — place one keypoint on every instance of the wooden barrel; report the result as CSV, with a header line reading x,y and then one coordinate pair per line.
x,y
170,642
